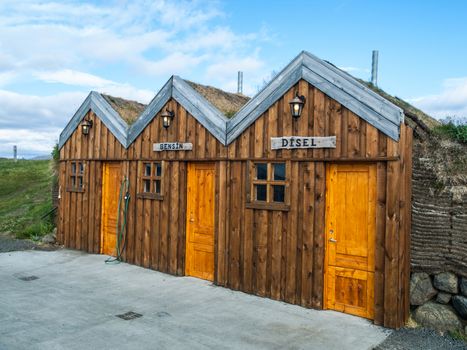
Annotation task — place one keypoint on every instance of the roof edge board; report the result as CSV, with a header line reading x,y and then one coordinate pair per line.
x,y
200,108
204,104
74,121
286,82
105,106
351,79
353,87
372,117
154,107
264,93
109,120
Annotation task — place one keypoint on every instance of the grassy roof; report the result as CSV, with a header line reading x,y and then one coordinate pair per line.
x,y
226,102
415,116
128,110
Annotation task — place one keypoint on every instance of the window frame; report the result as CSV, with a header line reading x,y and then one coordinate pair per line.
x,y
152,178
268,204
75,176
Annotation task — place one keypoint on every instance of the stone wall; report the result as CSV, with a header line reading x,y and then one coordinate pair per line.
x,y
439,301
438,286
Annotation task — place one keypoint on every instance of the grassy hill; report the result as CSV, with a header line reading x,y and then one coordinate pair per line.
x,y
25,196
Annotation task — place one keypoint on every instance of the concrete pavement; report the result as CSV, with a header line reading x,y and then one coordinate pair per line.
x,y
74,302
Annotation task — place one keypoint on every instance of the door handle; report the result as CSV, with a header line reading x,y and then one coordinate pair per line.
x,y
192,220
332,240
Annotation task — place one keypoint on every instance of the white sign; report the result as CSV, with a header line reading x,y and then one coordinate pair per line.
x,y
172,146
291,142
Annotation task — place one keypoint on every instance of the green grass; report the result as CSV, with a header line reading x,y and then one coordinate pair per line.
x,y
456,130
25,196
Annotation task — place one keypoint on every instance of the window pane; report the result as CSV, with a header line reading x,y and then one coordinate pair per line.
x,y
158,169
73,168
261,171
147,186
73,181
260,192
81,168
279,171
157,186
278,193
147,169
80,182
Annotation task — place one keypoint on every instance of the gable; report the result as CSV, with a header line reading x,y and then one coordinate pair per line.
x,y
111,119
340,86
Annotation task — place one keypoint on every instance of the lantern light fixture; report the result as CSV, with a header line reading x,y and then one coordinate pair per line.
x,y
296,105
167,118
86,124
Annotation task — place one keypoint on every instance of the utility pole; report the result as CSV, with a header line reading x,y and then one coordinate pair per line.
x,y
15,153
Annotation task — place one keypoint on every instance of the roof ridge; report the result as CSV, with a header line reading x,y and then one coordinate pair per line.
x,y
339,85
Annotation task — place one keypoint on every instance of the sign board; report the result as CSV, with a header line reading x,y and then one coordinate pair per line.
x,y
291,142
172,146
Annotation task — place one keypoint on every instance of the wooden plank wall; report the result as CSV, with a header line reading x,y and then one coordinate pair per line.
x,y
272,253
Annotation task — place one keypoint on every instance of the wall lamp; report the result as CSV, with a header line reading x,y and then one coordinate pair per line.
x,y
86,124
167,118
296,105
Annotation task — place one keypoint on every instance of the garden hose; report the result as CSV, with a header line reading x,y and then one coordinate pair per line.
x,y
124,197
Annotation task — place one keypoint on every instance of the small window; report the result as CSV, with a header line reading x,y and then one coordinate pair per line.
x,y
151,179
269,183
76,177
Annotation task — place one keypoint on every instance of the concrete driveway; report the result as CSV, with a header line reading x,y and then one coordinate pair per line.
x,y
75,299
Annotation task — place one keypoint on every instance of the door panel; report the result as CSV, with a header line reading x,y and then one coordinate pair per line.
x,y
200,221
110,191
350,235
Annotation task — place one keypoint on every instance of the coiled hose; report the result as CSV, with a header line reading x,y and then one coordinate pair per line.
x,y
124,197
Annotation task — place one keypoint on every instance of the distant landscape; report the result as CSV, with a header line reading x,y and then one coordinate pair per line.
x,y
25,197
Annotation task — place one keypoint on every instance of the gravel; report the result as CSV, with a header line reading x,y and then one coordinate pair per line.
x,y
9,244
420,338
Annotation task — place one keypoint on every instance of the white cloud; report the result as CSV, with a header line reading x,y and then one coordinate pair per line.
x,y
37,112
6,77
172,64
94,82
29,142
47,45
451,101
224,73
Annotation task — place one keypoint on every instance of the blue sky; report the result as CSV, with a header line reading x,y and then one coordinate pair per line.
x,y
52,53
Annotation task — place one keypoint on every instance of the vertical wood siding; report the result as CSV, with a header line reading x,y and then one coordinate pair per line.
x,y
272,253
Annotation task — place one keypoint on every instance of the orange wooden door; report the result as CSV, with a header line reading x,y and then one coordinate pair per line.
x,y
111,179
350,238
200,221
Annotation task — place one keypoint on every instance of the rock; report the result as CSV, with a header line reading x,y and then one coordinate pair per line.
x,y
460,305
439,317
447,282
463,286
443,298
48,239
54,232
421,289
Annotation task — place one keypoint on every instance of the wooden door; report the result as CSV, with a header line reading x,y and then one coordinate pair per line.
x,y
111,181
200,221
350,238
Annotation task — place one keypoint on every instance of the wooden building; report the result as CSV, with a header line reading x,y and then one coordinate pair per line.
x,y
311,210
